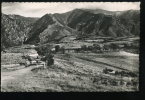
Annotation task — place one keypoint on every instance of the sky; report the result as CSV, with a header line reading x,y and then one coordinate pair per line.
x,y
40,9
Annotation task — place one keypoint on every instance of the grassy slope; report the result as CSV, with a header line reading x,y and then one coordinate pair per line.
x,y
13,55
11,58
69,73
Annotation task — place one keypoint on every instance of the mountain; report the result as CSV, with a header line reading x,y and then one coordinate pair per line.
x,y
97,11
130,14
48,28
102,24
76,23
24,19
14,28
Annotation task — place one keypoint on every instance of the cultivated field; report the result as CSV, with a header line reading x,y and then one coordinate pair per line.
x,y
70,72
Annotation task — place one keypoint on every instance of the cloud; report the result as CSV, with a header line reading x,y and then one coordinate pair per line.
x,y
39,9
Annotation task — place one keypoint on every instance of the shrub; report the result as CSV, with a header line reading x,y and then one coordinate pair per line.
x,y
50,62
49,59
84,47
97,47
114,46
90,48
106,47
57,48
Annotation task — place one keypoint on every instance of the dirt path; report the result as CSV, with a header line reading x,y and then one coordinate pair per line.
x,y
25,80
7,77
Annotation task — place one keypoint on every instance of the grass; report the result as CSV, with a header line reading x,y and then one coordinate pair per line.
x,y
14,55
11,58
69,81
20,49
114,60
73,72
90,69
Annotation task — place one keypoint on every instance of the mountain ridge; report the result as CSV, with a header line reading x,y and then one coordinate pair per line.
x,y
54,27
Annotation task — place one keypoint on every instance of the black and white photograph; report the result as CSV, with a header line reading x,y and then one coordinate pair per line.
x,y
70,46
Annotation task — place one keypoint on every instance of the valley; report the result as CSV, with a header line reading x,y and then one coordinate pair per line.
x,y
89,51
71,72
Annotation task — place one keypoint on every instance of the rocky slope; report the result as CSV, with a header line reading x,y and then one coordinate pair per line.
x,y
129,14
14,28
48,29
119,23
55,27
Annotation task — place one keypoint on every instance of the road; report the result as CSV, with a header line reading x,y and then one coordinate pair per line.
x,y
13,77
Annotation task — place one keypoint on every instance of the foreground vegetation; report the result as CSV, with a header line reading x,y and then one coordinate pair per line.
x,y
89,68
73,72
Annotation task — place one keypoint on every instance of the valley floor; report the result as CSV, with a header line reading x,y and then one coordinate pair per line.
x,y
71,72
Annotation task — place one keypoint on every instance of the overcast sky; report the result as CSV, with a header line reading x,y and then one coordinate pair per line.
x,y
39,9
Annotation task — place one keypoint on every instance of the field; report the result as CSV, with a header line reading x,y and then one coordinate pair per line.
x,y
81,72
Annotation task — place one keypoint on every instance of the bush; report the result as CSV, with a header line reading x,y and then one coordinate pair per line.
x,y
106,47
49,59
114,46
84,47
90,48
97,47
57,48
50,62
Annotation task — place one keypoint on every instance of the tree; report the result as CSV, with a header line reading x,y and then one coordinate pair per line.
x,y
84,47
90,48
49,59
57,48
106,47
97,47
127,45
78,50
114,46
63,49
46,52
42,50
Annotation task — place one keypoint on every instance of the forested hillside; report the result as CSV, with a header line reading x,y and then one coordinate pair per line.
x,y
14,28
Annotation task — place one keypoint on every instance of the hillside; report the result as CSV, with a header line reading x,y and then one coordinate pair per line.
x,y
129,14
48,29
97,11
92,20
133,15
100,24
14,28
56,27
